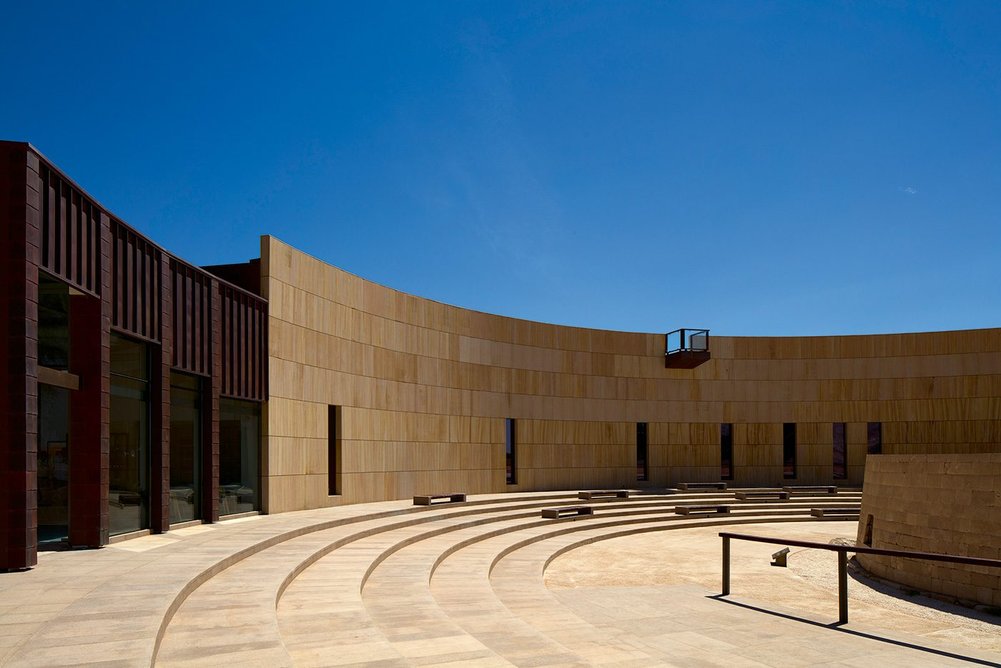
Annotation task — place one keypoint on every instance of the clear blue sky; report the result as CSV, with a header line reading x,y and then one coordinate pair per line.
x,y
754,168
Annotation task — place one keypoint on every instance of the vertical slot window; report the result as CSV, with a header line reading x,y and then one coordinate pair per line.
x,y
867,538
642,463
789,450
840,442
510,449
333,450
726,451
875,438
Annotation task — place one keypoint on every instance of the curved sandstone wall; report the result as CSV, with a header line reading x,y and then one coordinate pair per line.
x,y
947,504
424,389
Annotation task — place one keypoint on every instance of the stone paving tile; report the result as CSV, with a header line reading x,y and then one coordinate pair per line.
x,y
149,580
405,595
414,631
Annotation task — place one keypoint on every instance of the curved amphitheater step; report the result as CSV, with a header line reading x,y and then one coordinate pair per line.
x,y
240,601
470,577
682,625
223,580
114,602
397,597
516,580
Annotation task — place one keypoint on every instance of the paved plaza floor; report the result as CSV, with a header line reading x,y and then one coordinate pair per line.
x,y
488,582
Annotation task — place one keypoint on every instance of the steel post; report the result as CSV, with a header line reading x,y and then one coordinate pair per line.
x,y
843,586
726,565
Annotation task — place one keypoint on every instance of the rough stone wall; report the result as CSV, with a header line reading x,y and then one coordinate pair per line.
x,y
935,503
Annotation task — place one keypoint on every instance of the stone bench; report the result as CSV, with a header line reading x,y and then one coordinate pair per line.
x,y
562,511
701,510
428,499
811,489
834,512
763,494
781,558
602,493
691,486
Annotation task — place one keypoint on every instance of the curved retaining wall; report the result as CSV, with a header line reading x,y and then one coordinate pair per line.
x,y
935,503
424,388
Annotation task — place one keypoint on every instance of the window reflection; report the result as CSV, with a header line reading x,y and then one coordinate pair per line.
x,y
185,447
239,456
128,497
53,323
53,463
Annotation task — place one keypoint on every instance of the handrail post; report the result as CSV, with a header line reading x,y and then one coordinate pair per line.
x,y
726,565
842,586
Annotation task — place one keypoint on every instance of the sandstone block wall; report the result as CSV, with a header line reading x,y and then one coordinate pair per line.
x,y
424,389
949,504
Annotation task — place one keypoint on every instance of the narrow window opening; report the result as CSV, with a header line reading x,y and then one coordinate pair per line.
x,y
840,451
510,450
726,451
642,465
333,450
875,438
789,450
867,540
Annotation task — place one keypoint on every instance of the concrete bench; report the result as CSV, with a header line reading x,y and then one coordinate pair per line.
x,y
691,486
427,499
763,494
563,511
812,489
834,512
601,493
701,510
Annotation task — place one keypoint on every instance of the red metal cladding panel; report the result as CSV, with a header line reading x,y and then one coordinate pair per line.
x,y
136,295
19,257
191,298
70,233
243,344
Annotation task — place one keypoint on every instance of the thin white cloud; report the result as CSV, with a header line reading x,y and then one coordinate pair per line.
x,y
910,190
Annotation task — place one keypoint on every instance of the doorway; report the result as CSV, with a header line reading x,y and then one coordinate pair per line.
x,y
53,464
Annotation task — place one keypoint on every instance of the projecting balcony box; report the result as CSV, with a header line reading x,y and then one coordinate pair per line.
x,y
686,348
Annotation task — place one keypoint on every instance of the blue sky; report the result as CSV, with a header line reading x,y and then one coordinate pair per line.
x,y
755,168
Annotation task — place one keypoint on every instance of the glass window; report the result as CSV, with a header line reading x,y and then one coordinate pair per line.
x,y
53,463
875,438
642,470
53,323
128,496
726,451
239,456
789,450
333,449
185,447
840,451
510,451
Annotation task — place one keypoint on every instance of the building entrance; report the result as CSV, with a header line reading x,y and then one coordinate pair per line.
x,y
128,495
53,464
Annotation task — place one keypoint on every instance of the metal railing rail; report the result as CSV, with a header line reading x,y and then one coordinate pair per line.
x,y
686,339
843,551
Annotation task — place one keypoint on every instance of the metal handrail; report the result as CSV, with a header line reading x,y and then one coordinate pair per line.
x,y
843,551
